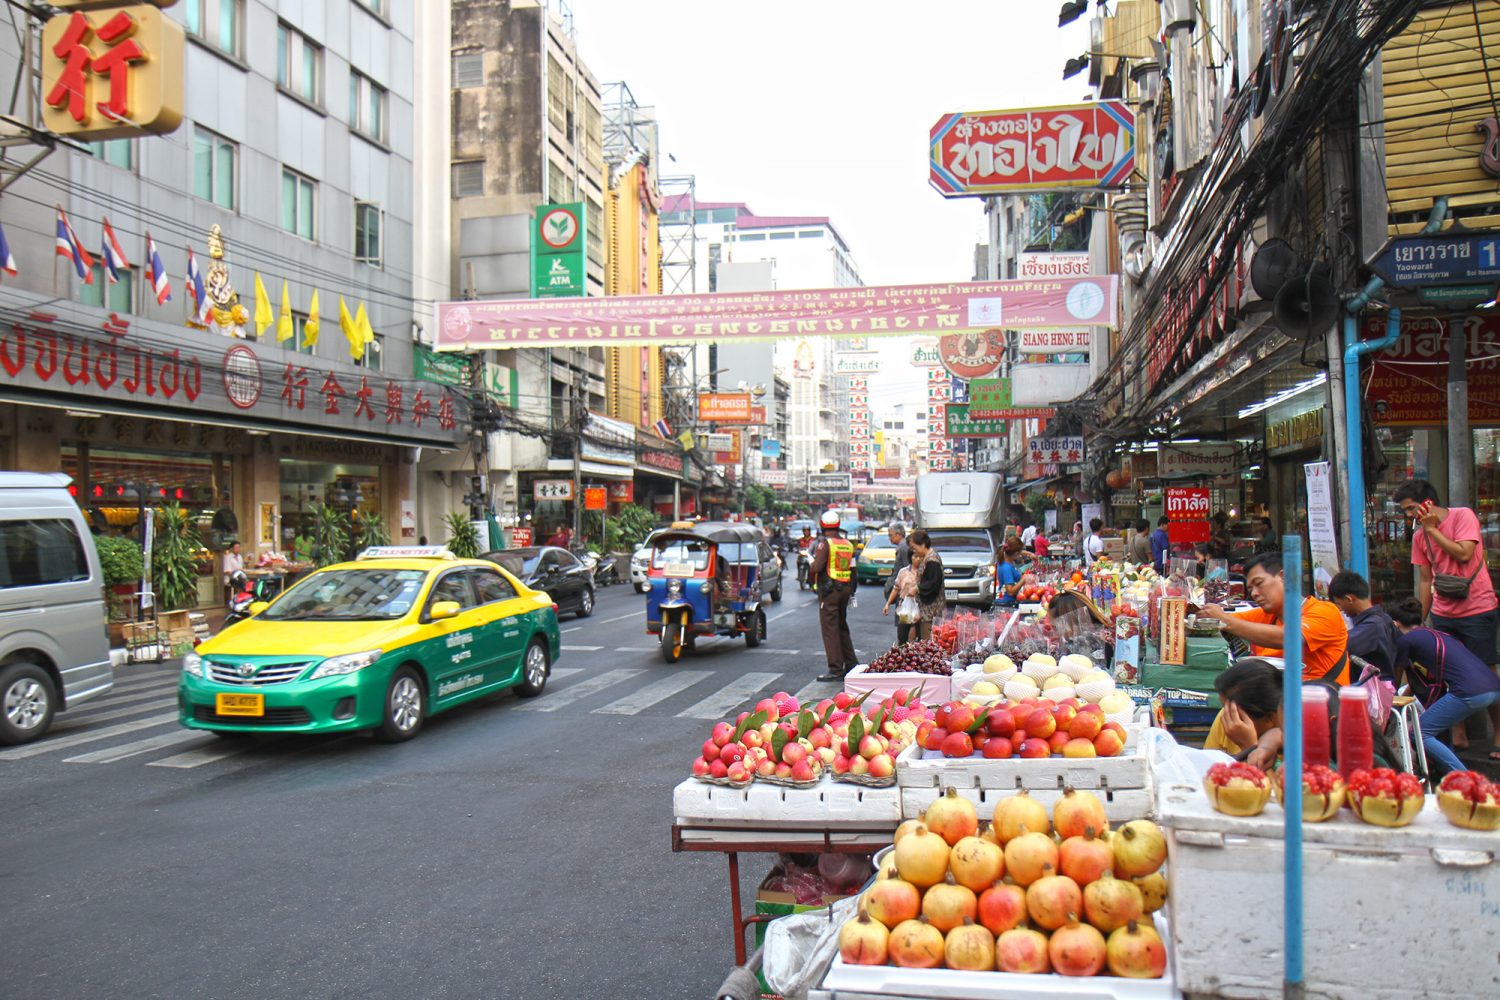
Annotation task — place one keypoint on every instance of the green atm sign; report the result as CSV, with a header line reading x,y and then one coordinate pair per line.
x,y
558,241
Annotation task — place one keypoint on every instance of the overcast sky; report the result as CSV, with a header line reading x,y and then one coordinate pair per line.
x,y
822,107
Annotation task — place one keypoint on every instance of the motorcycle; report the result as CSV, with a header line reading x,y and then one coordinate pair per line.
x,y
604,571
241,596
804,566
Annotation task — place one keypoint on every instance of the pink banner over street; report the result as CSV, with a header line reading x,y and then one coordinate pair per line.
x,y
892,310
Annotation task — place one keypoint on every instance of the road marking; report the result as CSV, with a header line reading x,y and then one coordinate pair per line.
x,y
68,721
579,691
762,651
114,701
718,704
652,693
620,618
817,691
575,628
558,673
581,649
111,754
141,683
47,746
206,754
636,649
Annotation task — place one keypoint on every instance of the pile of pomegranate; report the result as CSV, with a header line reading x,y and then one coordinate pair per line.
x,y
1026,893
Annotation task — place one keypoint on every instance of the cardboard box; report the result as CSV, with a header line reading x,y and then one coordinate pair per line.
x,y
775,903
173,620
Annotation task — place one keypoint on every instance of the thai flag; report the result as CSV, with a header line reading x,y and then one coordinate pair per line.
x,y
69,247
7,261
663,429
196,290
156,272
114,255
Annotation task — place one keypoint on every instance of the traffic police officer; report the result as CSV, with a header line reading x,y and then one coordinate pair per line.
x,y
832,571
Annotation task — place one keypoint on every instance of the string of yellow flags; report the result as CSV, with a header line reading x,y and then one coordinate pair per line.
x,y
356,327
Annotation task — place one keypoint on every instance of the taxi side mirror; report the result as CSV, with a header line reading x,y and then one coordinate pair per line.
x,y
444,609
256,607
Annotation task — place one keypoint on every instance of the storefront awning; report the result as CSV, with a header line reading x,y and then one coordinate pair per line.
x,y
1022,487
592,470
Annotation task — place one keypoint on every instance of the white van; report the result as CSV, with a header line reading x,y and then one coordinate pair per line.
x,y
54,650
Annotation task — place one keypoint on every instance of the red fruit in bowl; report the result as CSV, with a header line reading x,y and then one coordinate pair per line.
x,y
958,745
935,737
1383,797
1035,748
1469,800
1237,789
960,717
1322,792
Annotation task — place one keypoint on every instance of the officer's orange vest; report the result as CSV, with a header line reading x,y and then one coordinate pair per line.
x,y
840,559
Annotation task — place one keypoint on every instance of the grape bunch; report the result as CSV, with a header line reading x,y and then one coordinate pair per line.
x,y
1215,591
925,657
976,653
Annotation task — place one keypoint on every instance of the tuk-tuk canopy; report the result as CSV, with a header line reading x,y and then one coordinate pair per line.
x,y
735,543
717,532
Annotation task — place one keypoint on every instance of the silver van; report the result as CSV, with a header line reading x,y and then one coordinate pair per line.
x,y
54,650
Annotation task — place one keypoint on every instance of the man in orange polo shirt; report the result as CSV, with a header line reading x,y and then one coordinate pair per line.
x,y
1325,637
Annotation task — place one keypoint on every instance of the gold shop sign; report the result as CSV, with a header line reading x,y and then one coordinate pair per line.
x,y
111,72
1303,429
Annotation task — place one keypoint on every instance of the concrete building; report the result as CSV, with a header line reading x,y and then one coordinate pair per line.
x,y
294,163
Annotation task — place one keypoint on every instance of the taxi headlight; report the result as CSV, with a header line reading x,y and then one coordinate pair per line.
x,y
192,665
336,666
674,588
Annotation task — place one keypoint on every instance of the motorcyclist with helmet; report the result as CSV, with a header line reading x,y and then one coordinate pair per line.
x,y
832,572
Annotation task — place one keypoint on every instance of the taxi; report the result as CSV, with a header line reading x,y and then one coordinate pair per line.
x,y
379,643
877,560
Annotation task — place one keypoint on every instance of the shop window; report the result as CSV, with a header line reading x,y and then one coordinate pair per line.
x,y
378,6
217,22
118,297
368,223
367,106
783,236
373,354
33,553
298,195
352,490
116,152
299,64
213,167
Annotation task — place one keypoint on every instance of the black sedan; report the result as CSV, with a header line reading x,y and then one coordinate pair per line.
x,y
557,571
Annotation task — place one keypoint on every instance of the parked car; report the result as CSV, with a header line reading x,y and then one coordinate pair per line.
x,y
565,578
379,643
640,563
53,642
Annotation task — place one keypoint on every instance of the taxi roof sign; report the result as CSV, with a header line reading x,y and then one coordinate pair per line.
x,y
406,552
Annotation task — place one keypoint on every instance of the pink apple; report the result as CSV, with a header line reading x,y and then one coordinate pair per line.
x,y
871,745
842,699
824,755
859,765
737,773
766,768
783,770
820,737
700,768
711,750
881,766
731,752
723,733
751,739
840,765
718,769
803,771
768,706
793,752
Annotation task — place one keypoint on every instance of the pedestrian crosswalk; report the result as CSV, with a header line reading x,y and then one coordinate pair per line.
x,y
136,723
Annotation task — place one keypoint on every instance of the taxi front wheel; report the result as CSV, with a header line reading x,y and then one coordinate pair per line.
x,y
534,670
405,707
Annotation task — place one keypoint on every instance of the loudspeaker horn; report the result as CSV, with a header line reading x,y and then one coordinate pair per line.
x,y
1306,306
1275,263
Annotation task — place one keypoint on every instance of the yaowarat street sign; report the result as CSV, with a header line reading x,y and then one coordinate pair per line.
x,y
1032,149
112,73
1054,341
890,310
958,424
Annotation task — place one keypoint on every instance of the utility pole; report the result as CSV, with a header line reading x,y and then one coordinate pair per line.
x,y
576,412
1460,449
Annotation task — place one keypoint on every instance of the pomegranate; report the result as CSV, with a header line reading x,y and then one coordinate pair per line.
x,y
969,947
987,832
976,863
922,857
1084,859
1140,848
1001,907
1077,812
1018,811
946,904
863,941
1236,789
1112,902
1028,856
1322,792
892,901
907,826
1076,949
1022,949
1153,890
1135,951
1382,797
1051,898
952,817
916,944
1469,800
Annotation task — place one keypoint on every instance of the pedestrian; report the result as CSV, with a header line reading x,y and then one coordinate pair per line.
x,y
832,572
1454,589
1372,634
903,587
896,532
1040,545
562,538
1325,637
1452,682
1140,543
1092,546
927,567
233,563
1219,539
422,540
1008,574
1075,540
1028,536
1268,541
1161,544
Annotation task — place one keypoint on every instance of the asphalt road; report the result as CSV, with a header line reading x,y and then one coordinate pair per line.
x,y
514,849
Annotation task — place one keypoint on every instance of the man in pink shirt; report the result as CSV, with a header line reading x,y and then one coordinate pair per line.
x,y
1447,540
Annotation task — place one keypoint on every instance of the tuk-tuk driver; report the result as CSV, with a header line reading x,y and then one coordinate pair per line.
x,y
832,572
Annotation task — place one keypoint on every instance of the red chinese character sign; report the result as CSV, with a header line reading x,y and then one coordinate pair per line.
x,y
1032,149
112,73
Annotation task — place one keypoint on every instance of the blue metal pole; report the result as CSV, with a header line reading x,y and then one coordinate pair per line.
x,y
1354,465
1291,729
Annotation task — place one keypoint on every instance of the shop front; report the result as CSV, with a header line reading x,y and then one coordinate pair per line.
x,y
253,441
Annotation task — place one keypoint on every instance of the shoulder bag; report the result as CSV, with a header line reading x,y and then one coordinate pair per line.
x,y
1451,585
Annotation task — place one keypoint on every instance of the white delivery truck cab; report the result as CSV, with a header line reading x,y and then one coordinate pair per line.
x,y
964,512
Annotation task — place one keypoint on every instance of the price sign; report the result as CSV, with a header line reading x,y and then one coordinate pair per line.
x,y
1172,644
520,537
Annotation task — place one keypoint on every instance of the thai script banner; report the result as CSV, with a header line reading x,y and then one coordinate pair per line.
x,y
989,152
1050,264
1408,381
1060,303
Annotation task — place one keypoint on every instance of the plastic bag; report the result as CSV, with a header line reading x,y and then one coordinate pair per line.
x,y
908,612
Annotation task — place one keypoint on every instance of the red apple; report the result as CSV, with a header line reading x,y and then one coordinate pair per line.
x,y
941,716
1117,729
1000,722
935,738
1063,715
1019,714
960,718
1058,740
958,744
731,752
1040,723
1108,744
1086,726
997,748
1035,748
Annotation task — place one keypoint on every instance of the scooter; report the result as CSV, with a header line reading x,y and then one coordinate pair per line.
x,y
241,596
605,572
804,565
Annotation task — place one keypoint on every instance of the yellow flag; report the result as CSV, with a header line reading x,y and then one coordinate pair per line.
x,y
263,315
362,326
284,321
310,328
351,332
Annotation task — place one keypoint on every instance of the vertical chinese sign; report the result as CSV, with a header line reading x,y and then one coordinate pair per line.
x,y
861,443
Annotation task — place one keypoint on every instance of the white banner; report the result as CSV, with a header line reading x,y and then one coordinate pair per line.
x,y
1047,384
772,477
1054,341
1202,459
718,442
552,489
1056,450
1322,532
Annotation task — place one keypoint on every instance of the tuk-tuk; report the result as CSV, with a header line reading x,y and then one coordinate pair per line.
x,y
704,580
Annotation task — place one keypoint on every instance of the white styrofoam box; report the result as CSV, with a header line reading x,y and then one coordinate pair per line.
x,y
1363,886
936,688
950,984
828,804
918,768
1121,805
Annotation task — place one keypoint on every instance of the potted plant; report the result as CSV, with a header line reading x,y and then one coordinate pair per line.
x,y
331,532
174,559
463,539
122,563
369,530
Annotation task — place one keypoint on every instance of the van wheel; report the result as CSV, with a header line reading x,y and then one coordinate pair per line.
x,y
27,700
405,707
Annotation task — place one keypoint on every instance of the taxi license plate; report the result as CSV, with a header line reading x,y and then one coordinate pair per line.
x,y
226,703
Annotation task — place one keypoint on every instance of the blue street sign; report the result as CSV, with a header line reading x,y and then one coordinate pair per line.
x,y
1448,259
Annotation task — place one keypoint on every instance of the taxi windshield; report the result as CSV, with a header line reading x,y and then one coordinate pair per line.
x,y
681,550
349,595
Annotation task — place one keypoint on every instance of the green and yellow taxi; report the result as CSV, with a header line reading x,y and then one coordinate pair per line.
x,y
378,643
877,560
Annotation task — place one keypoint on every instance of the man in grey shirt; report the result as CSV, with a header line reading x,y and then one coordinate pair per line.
x,y
897,534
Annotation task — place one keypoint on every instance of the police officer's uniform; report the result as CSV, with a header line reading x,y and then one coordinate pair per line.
x,y
833,572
